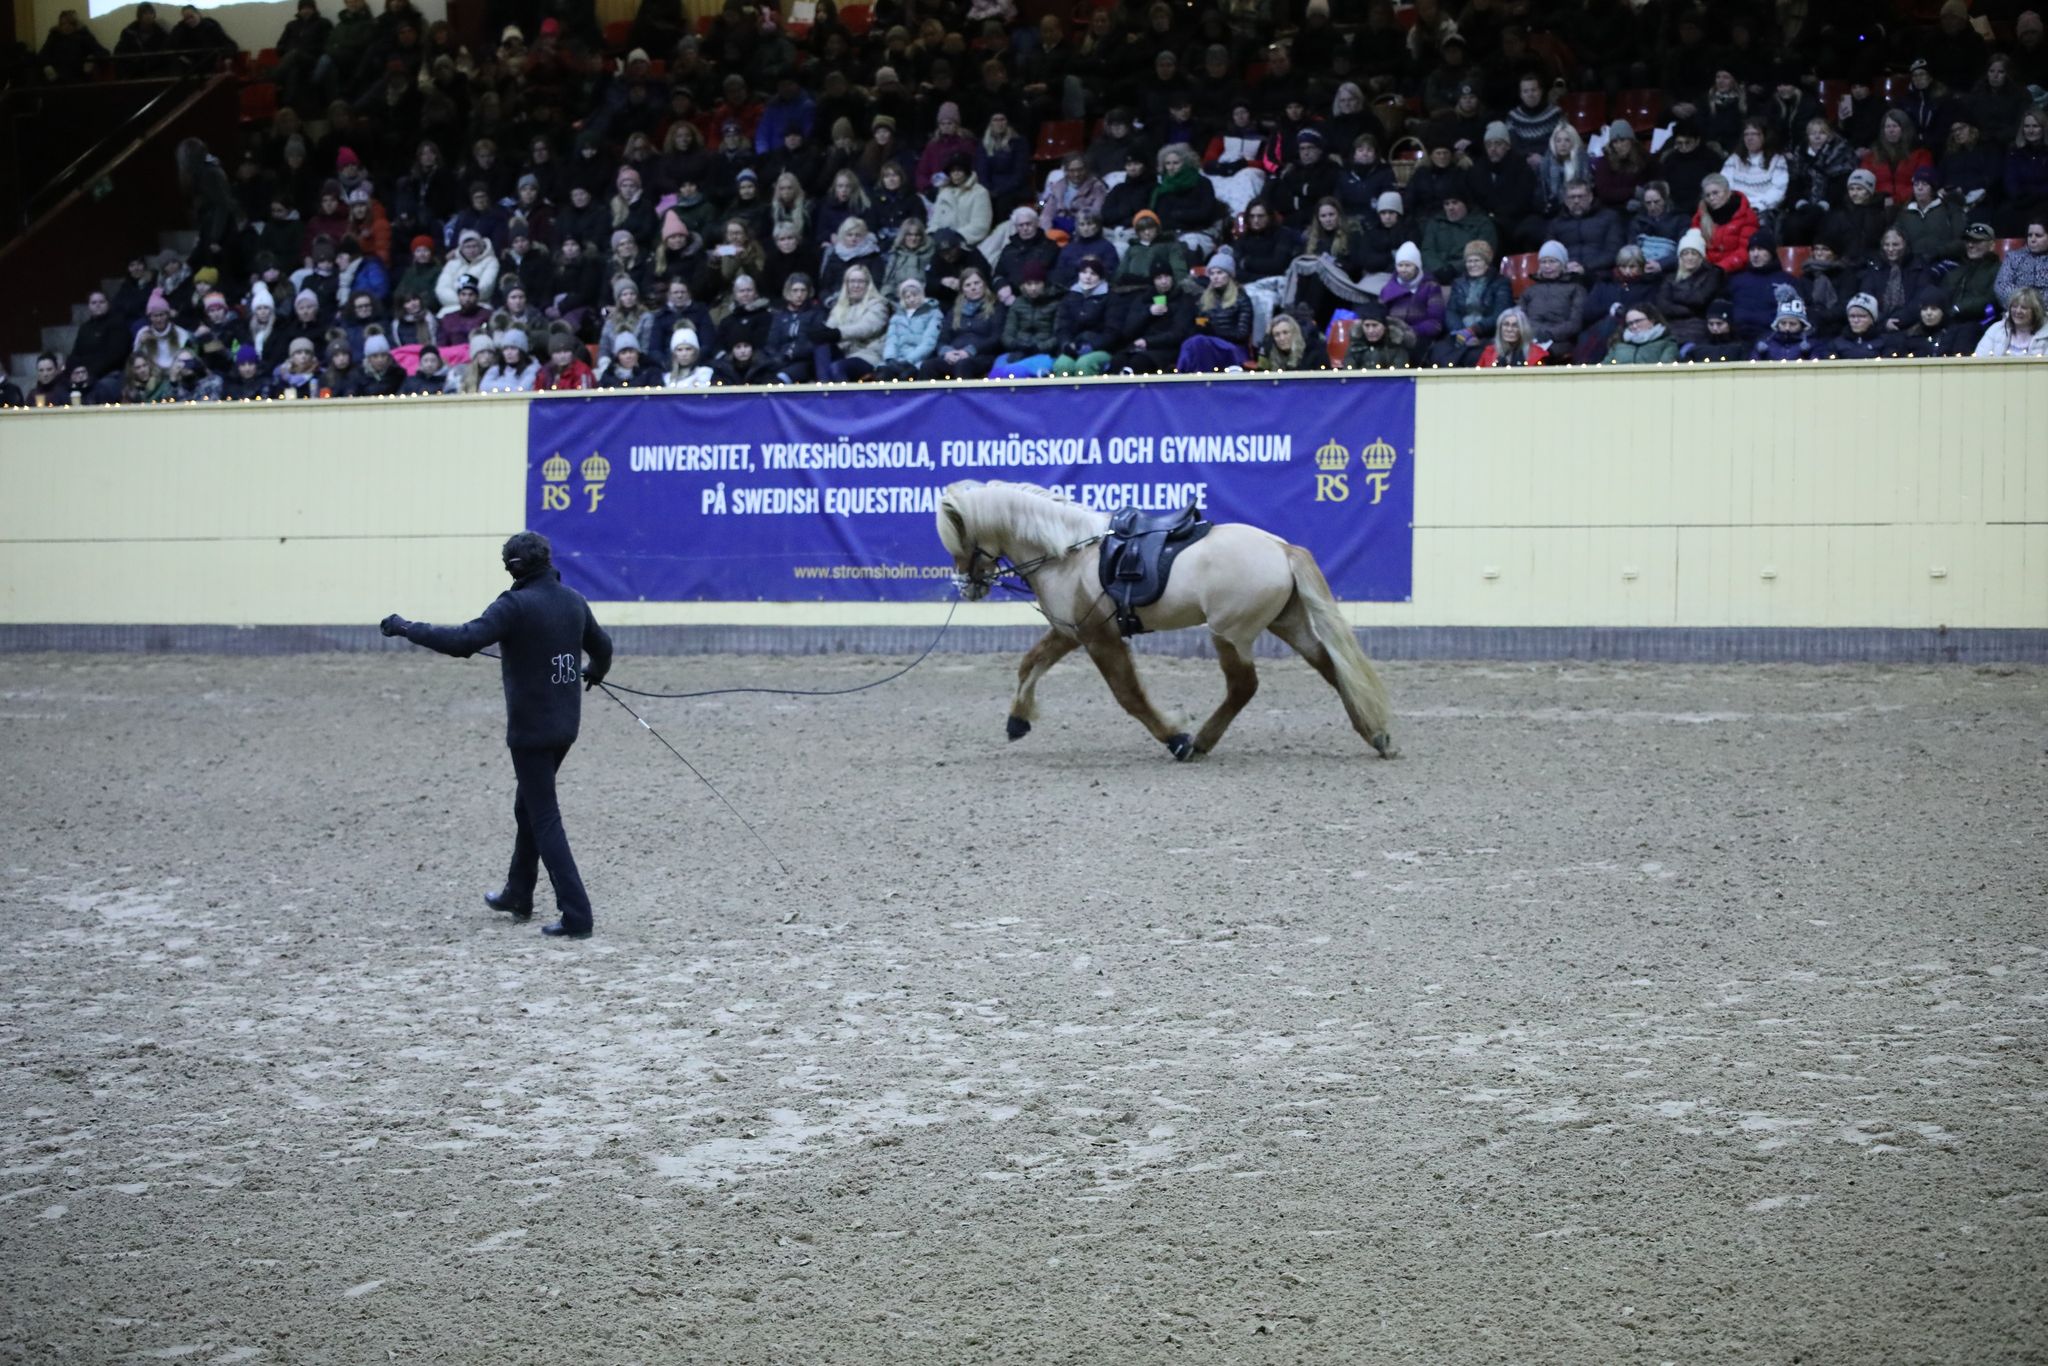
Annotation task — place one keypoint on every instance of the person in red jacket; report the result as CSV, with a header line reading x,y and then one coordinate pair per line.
x,y
1895,158
565,369
1727,222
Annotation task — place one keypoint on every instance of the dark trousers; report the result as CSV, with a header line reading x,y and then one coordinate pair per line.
x,y
542,840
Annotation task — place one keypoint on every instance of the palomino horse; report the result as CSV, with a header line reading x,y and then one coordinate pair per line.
x,y
1237,579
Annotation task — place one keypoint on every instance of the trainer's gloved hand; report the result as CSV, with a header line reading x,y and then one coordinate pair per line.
x,y
591,678
393,625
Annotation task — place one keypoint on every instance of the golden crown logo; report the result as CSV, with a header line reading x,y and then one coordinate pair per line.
x,y
556,470
596,469
1380,456
1333,457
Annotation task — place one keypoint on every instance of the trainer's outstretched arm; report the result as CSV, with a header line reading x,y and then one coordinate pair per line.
x,y
461,641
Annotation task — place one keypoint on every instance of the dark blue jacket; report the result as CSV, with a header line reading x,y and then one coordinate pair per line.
x,y
542,630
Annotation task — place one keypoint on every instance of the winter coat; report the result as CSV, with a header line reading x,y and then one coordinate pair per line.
x,y
1031,326
1754,294
1716,352
1856,228
1443,242
1083,323
1728,233
1912,279
1396,352
1656,349
1616,188
1230,322
1595,240
1067,266
1998,342
1684,302
905,264
1134,272
537,624
1657,235
1191,208
1164,334
1821,179
1775,345
861,327
1493,359
1475,305
1420,306
1017,254
966,209
1762,181
1933,232
1506,188
1263,255
912,338
748,323
978,331
503,380
1895,179
484,268
1971,288
2022,269
1555,309
1870,346
794,333
2026,174
1612,298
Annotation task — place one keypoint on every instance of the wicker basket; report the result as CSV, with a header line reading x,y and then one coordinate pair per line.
x,y
1404,165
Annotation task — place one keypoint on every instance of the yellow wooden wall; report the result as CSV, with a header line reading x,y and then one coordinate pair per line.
x,y
1908,495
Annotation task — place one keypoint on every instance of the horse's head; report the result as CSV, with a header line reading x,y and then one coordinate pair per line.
x,y
974,569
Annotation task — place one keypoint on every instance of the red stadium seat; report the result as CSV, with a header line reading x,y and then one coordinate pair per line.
x,y
1059,139
1587,112
1794,259
1642,108
2006,245
857,19
1519,270
1338,343
617,34
266,59
259,102
1896,87
706,23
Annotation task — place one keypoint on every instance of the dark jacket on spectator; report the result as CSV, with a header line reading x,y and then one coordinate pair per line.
x,y
795,333
1506,188
1591,241
1031,326
1855,229
1267,253
1754,294
1163,335
1083,323
1684,302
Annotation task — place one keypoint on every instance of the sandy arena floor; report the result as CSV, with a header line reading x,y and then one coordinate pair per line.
x,y
1637,1014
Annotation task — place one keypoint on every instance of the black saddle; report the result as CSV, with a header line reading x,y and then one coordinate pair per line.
x,y
1138,554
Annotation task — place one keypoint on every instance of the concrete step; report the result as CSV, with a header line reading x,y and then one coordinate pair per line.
x,y
21,368
111,285
79,313
184,241
58,340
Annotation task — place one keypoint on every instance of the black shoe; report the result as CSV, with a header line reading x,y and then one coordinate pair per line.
x,y
500,901
561,930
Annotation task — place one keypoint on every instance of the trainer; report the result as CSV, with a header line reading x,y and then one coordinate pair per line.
x,y
543,629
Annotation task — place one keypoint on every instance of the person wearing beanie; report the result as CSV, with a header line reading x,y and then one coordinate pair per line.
x,y
1413,299
629,367
1856,224
1862,338
1787,339
1449,232
1684,291
1365,181
1030,335
1304,182
380,374
455,326
249,378
1754,291
1380,343
160,334
1148,250
517,370
1222,338
1720,344
948,144
1083,329
686,367
567,371
1618,173
1554,302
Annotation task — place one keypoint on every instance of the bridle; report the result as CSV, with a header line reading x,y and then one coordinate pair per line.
x,y
1002,569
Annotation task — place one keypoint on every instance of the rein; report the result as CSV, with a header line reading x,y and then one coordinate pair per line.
x,y
1001,574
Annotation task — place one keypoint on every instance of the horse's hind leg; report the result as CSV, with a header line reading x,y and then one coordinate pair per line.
x,y
1292,626
1240,683
1039,658
1113,658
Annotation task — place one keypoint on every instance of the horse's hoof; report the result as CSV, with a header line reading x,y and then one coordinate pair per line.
x,y
1384,744
1182,746
1018,728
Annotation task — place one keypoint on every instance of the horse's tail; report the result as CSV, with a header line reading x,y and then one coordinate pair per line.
x,y
1365,696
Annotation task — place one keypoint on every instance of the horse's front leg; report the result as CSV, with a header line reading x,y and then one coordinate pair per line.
x,y
1049,651
1113,657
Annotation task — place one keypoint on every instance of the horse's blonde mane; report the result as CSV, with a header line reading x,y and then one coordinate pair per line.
x,y
1023,514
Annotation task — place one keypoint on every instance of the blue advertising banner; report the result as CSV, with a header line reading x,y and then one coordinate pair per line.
x,y
832,494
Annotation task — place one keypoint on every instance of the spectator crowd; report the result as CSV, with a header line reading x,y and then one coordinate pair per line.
x,y
950,189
